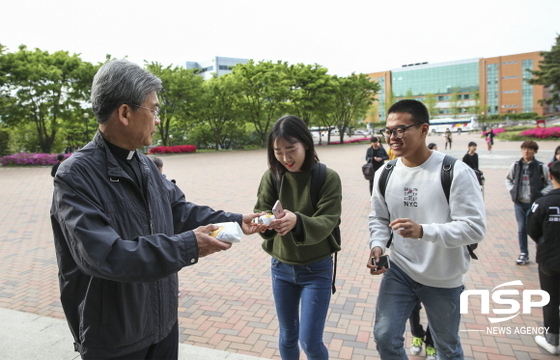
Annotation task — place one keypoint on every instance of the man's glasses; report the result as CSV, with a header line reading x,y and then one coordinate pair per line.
x,y
398,131
154,111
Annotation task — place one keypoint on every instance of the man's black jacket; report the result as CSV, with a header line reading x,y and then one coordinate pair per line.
x,y
119,250
543,225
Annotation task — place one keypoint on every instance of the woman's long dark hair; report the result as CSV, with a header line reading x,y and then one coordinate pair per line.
x,y
292,129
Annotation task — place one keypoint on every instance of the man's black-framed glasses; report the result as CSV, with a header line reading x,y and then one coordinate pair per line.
x,y
398,131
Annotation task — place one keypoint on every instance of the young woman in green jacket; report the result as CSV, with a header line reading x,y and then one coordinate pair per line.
x,y
300,240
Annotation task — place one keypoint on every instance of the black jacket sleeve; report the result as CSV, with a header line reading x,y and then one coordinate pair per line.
x,y
535,221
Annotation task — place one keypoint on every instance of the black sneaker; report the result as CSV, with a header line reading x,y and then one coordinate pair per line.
x,y
522,260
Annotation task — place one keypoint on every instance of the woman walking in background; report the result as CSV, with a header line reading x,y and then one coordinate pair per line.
x,y
448,138
489,140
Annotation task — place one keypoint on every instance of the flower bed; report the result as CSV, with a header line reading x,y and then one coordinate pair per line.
x,y
30,159
172,149
542,133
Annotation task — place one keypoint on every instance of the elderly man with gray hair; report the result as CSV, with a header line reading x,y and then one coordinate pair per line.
x,y
122,232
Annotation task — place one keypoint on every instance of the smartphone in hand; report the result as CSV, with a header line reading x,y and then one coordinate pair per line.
x,y
278,210
383,262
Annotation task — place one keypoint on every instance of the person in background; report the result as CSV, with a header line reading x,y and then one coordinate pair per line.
x,y
429,256
448,138
376,155
471,159
122,232
527,180
556,156
159,165
300,241
432,146
489,140
543,225
60,158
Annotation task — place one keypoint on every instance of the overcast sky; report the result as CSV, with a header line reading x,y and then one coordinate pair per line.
x,y
345,36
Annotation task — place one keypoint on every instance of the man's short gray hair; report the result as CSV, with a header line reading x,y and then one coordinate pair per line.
x,y
120,82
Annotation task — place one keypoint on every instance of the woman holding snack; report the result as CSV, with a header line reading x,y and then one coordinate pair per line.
x,y
299,239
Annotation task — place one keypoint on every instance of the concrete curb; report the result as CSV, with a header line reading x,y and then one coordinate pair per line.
x,y
30,336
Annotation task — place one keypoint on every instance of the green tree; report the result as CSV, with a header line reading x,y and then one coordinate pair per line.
x,y
549,74
308,86
45,90
179,99
391,99
351,98
219,114
455,103
264,96
431,102
478,109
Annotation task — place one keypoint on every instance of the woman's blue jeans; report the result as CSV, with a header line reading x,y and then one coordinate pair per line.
x,y
305,287
398,295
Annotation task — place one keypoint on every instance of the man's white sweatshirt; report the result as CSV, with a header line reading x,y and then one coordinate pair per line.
x,y
440,258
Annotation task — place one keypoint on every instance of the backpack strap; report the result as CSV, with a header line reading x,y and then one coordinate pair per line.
x,y
447,174
383,180
446,180
384,176
318,177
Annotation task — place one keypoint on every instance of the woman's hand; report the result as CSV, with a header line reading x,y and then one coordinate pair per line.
x,y
284,224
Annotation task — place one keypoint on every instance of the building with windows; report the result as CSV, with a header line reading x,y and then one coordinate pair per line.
x,y
464,88
217,65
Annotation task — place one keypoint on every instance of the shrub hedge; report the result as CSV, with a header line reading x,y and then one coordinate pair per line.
x,y
177,149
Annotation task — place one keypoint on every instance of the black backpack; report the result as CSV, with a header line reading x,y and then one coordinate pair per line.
x,y
318,176
446,180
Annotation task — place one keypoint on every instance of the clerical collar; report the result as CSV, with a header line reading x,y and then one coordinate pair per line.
x,y
119,152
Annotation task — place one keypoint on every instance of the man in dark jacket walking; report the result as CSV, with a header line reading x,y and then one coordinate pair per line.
x,y
543,225
376,155
122,232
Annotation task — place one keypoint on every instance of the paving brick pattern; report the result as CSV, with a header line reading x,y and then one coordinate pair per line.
x,y
226,301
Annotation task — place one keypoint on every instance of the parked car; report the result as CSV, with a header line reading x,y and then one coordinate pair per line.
x,y
361,133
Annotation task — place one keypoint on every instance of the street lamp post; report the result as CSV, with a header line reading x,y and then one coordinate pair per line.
x,y
86,117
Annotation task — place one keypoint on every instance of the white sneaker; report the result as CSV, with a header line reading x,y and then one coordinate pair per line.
x,y
522,260
541,341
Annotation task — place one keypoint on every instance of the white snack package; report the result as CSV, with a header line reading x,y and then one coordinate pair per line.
x,y
264,219
228,232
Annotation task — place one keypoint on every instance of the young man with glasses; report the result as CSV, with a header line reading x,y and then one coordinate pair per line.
x,y
428,253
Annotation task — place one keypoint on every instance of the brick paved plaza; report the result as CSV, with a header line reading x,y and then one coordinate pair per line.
x,y
226,301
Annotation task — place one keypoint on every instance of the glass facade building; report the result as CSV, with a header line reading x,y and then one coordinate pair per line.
x,y
436,79
492,88
465,88
527,90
